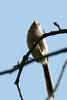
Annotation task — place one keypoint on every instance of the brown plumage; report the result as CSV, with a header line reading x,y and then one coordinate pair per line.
x,y
34,33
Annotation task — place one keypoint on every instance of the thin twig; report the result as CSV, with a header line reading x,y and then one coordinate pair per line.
x,y
52,33
64,50
25,57
19,91
28,53
56,24
61,74
16,67
19,73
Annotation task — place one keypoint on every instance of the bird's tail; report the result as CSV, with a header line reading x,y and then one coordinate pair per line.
x,y
48,79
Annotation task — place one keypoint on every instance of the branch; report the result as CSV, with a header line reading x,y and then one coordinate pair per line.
x,y
62,31
56,24
16,67
19,91
64,50
25,60
52,33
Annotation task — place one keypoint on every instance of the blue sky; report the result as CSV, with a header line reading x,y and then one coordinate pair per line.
x,y
16,17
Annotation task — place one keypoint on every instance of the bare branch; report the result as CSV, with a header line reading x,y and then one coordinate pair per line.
x,y
25,60
62,31
64,50
16,67
56,24
19,92
52,33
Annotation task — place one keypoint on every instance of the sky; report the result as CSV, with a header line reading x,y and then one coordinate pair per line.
x,y
16,16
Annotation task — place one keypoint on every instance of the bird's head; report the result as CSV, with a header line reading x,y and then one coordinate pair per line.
x,y
36,25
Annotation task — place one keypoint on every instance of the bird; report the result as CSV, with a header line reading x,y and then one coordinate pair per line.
x,y
34,33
